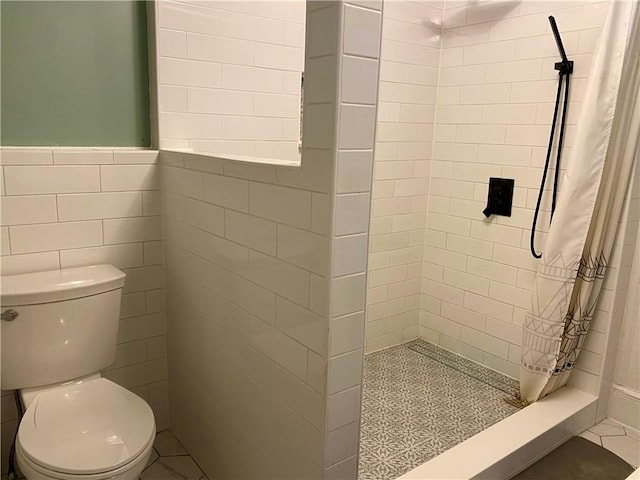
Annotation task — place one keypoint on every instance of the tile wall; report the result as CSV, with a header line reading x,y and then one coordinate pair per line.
x,y
624,376
408,79
229,76
494,108
359,50
266,276
63,208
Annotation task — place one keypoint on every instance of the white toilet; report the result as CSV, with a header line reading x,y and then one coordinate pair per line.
x,y
59,329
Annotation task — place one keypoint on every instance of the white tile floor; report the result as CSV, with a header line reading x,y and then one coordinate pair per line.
x,y
170,461
622,440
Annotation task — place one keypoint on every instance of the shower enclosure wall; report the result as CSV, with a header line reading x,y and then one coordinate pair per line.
x,y
494,103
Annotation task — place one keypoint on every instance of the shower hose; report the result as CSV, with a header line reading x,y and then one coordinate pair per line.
x,y
565,68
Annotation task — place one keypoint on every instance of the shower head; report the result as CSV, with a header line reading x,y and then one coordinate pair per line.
x,y
556,34
566,65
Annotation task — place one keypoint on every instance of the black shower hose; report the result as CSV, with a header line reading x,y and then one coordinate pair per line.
x,y
562,76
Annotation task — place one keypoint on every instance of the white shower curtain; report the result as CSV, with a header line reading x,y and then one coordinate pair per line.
x,y
580,239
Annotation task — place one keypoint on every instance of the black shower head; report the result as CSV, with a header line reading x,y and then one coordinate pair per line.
x,y
556,34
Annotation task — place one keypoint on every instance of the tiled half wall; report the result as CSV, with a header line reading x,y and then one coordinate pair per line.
x,y
266,273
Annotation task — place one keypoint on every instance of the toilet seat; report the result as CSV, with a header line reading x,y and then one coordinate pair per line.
x,y
89,429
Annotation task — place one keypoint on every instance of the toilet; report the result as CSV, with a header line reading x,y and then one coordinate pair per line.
x,y
59,329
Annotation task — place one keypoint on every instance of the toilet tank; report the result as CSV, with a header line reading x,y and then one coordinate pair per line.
x,y
66,324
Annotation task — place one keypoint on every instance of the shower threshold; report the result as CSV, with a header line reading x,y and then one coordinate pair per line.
x,y
419,401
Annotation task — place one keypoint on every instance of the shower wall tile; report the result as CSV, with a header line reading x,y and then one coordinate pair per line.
x,y
494,106
408,80
350,224
230,78
58,216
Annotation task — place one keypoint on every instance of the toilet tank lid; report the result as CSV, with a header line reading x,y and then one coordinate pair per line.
x,y
58,285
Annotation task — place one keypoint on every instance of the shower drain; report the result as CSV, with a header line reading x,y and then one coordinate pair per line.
x,y
474,370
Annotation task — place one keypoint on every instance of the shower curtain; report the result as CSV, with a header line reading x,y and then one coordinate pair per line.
x,y
581,236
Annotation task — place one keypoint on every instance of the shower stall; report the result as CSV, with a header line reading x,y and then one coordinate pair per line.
x,y
468,91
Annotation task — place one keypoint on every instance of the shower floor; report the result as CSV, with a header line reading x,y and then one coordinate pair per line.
x,y
420,400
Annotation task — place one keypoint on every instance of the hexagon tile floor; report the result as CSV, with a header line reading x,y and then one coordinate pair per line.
x,y
170,461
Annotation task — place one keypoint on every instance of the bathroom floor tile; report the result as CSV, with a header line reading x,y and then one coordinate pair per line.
x,y
592,437
173,468
419,401
625,447
167,445
607,427
617,438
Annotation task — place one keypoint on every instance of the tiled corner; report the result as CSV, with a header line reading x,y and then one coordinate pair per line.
x,y
620,439
170,461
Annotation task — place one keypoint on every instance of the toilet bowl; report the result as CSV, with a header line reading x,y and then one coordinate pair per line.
x,y
93,429
61,330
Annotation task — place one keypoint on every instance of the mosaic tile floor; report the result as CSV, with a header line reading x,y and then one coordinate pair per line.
x,y
415,407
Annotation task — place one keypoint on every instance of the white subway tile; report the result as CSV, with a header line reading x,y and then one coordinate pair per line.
x,y
345,371
4,241
129,177
226,192
361,32
23,156
357,125
219,49
149,157
28,210
347,333
251,231
128,230
220,102
189,73
188,18
144,278
302,324
27,263
50,179
284,279
280,204
304,249
343,408
350,255
278,57
485,342
172,43
151,202
153,253
348,294
204,216
351,214
342,443
82,157
359,80
172,99
92,206
277,105
55,236
120,256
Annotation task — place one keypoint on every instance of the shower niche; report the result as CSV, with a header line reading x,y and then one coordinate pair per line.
x,y
230,78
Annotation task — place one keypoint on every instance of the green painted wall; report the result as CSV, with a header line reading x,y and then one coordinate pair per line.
x,y
74,73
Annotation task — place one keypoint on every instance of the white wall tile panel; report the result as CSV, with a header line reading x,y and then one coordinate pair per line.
x,y
222,56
